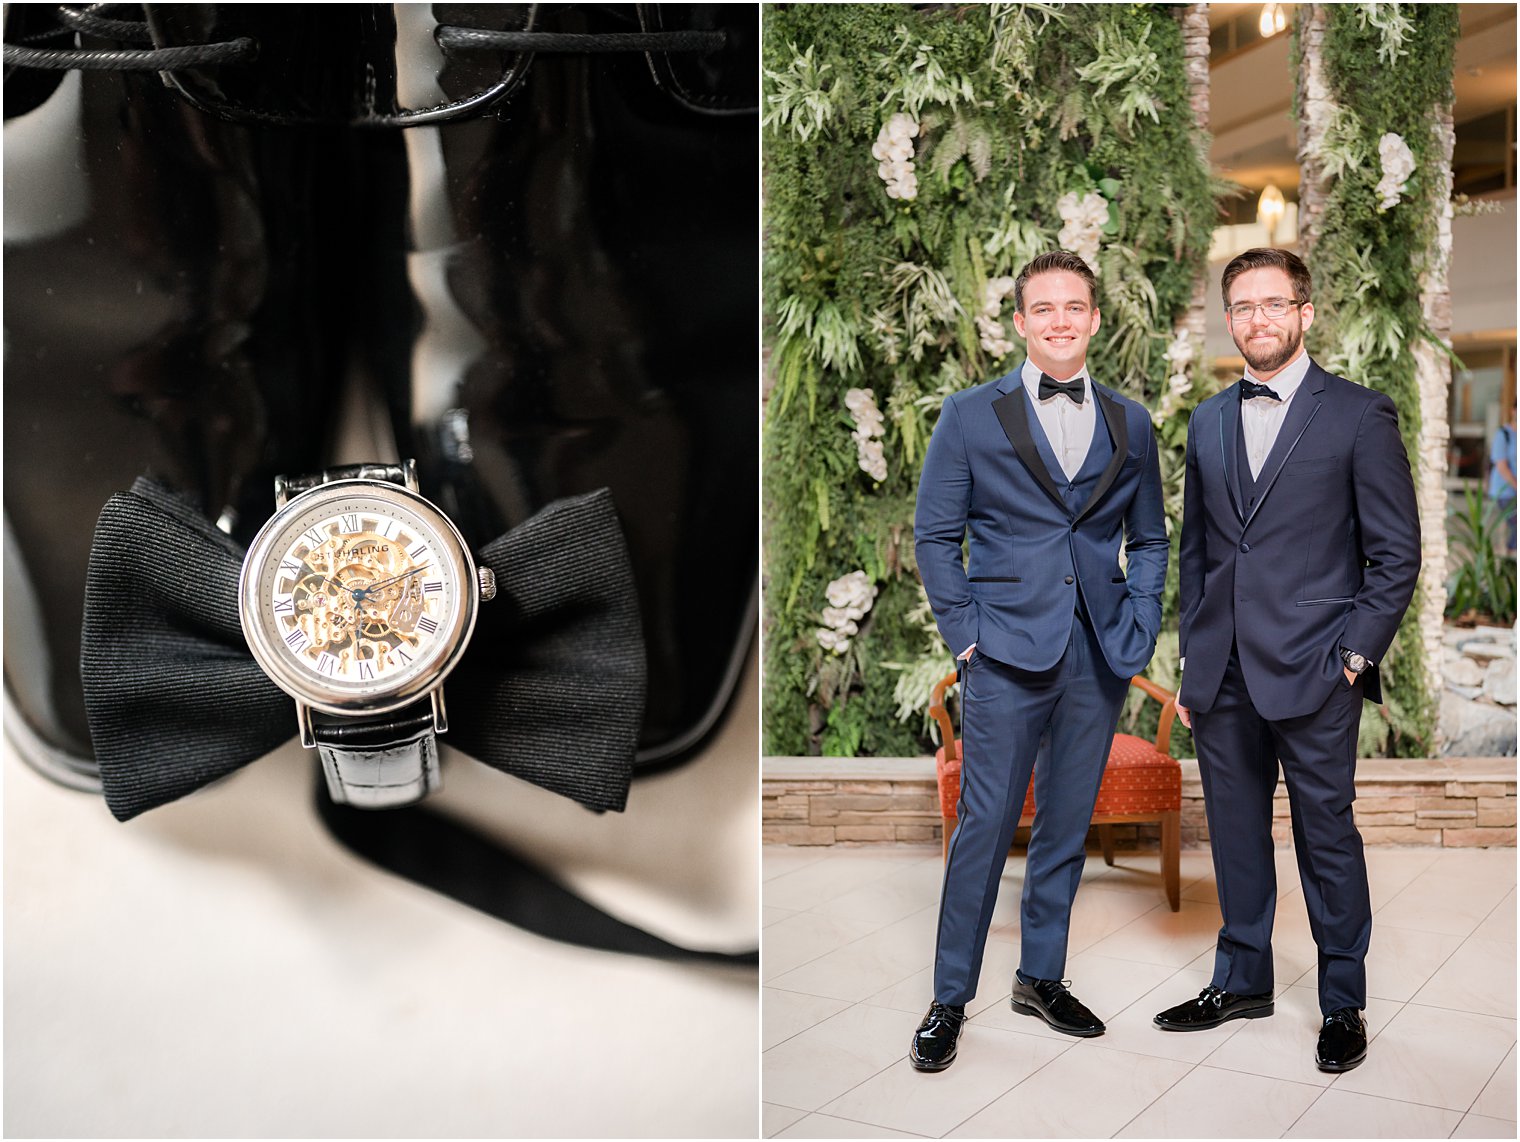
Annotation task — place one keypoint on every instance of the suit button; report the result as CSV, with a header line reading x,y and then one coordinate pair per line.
x,y
1069,579
1244,547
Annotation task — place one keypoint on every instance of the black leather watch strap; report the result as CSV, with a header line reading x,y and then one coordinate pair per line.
x,y
383,761
380,762
391,473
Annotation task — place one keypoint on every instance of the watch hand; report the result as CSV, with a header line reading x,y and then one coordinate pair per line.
x,y
393,578
336,582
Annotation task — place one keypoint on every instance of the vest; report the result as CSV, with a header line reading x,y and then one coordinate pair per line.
x,y
1243,469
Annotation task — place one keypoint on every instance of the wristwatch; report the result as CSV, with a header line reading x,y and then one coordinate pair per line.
x,y
1356,663
357,598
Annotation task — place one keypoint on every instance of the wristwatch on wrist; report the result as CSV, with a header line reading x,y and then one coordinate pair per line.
x,y
357,598
1356,663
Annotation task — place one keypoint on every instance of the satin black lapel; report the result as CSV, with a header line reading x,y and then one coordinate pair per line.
x,y
1229,433
1013,414
1300,413
1118,433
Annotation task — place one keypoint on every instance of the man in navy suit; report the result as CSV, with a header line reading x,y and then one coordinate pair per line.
x,y
1051,474
1300,550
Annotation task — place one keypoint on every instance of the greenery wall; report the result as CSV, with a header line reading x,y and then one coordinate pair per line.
x,y
914,160
1388,67
1027,127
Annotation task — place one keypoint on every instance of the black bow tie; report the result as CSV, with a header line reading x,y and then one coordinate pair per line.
x,y
1250,390
1049,387
551,689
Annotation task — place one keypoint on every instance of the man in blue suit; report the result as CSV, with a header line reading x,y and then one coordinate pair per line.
x,y
1300,550
1051,474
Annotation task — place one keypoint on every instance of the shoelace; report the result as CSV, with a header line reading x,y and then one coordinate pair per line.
x,y
1063,984
90,22
454,39
451,39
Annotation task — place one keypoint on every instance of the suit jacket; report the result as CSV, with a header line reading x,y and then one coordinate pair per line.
x,y
990,470
1327,558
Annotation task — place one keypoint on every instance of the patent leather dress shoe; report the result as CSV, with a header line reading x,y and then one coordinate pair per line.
x,y
1212,1007
1049,999
934,1042
1342,1041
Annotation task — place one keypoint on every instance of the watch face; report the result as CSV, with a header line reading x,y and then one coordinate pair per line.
x,y
358,596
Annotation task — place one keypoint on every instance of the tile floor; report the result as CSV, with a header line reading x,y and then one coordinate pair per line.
x,y
848,947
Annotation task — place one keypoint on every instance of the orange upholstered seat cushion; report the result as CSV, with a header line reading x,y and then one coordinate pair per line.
x,y
948,777
1139,779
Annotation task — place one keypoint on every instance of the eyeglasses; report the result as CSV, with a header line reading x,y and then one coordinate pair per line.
x,y
1273,307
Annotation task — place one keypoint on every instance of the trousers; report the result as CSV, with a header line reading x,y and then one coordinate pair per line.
x,y
1238,756
1054,726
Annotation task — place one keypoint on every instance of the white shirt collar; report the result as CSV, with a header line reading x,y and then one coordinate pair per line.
x,y
1030,375
1285,383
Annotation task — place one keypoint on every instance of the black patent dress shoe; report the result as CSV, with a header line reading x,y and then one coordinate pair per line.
x,y
1342,1041
1214,1006
164,314
933,1047
1049,999
591,283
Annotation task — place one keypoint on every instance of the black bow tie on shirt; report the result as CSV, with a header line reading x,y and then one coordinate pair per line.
x,y
1250,390
551,689
1049,387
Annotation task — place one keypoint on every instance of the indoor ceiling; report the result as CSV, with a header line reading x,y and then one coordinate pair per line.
x,y
1251,94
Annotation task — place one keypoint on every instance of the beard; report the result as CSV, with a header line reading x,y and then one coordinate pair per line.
x,y
1270,358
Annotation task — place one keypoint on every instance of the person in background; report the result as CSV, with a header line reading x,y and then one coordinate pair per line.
x,y
1501,473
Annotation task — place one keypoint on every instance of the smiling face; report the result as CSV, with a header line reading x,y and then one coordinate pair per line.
x,y
1057,321
1269,344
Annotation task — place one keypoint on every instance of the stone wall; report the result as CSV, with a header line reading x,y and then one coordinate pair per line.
x,y
823,812
1450,802
1478,701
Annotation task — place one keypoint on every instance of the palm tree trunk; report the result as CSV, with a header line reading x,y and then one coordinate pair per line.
x,y
1315,110
1195,53
1433,374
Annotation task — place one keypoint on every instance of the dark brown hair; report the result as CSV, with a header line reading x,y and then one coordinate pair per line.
x,y
1266,258
1048,263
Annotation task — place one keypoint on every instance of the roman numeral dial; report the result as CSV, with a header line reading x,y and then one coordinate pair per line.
x,y
357,592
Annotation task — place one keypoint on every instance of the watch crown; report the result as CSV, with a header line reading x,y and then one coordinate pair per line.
x,y
487,584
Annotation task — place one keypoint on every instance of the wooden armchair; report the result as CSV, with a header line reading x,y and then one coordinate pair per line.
x,y
1142,783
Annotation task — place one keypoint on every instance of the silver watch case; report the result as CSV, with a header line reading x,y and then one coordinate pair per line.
x,y
298,683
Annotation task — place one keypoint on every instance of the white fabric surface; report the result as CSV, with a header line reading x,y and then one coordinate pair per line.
x,y
222,967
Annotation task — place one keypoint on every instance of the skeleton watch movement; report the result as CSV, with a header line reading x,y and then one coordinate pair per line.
x,y
357,599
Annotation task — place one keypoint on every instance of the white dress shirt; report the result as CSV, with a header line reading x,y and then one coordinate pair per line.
x,y
1261,418
1068,426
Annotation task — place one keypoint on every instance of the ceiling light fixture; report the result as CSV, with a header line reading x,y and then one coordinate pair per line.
x,y
1273,20
1270,208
